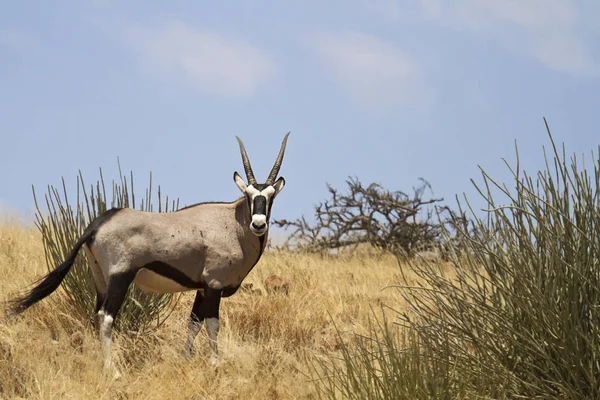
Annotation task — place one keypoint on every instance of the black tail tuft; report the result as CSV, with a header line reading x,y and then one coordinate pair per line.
x,y
46,285
51,282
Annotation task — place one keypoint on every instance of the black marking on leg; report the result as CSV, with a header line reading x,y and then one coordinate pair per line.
x,y
118,285
195,315
206,304
172,273
209,307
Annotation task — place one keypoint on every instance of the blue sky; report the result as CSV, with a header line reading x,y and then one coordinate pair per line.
x,y
388,91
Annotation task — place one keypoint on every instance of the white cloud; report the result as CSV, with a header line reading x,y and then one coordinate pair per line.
x,y
212,62
549,30
376,74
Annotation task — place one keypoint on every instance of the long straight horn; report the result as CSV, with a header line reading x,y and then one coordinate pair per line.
x,y
277,166
246,162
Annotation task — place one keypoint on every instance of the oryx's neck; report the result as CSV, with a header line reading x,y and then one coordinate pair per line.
x,y
252,245
233,224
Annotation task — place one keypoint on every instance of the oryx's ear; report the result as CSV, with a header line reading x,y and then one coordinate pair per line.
x,y
239,182
278,185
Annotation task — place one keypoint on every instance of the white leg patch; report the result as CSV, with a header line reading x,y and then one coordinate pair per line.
x,y
212,327
106,322
99,319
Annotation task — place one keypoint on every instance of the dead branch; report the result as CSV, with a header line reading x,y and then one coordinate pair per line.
x,y
370,214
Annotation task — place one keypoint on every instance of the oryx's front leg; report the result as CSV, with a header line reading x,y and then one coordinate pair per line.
x,y
206,307
194,325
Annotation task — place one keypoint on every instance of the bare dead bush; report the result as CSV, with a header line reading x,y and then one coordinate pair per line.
x,y
386,220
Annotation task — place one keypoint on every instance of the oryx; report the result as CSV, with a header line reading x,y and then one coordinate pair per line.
x,y
207,247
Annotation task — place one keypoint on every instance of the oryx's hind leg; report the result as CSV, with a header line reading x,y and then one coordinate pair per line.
x,y
206,307
115,295
99,283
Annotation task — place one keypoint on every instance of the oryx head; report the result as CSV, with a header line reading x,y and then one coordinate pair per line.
x,y
260,196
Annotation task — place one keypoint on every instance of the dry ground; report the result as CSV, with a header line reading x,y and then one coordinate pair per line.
x,y
265,340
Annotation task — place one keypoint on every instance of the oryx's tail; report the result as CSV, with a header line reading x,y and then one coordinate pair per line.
x,y
51,282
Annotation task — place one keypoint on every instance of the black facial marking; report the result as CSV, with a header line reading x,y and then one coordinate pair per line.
x,y
260,205
260,187
173,274
269,208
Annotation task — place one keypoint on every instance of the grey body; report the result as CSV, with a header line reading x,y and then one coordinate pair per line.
x,y
208,243
208,247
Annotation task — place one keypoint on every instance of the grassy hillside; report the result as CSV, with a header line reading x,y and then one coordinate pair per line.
x,y
264,340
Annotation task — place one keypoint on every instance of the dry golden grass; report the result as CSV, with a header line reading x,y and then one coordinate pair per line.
x,y
264,339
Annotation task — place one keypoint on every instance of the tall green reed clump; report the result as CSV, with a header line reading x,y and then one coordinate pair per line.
x,y
63,223
388,363
516,315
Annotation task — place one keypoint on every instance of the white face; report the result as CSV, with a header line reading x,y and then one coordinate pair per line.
x,y
260,198
259,205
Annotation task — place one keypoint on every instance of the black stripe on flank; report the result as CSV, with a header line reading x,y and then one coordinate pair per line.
x,y
172,273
